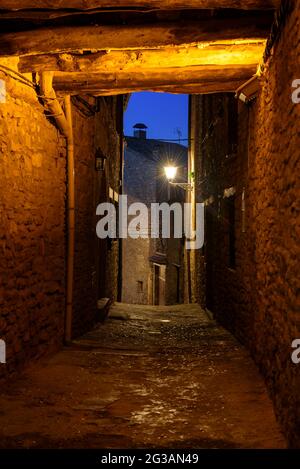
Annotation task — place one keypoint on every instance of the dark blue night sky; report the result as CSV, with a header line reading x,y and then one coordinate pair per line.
x,y
163,114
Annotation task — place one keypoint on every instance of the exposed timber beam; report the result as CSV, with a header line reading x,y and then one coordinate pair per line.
x,y
198,88
147,36
115,61
140,4
206,77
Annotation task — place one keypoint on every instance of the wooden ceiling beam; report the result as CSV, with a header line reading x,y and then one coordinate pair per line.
x,y
138,4
206,77
115,61
197,88
147,36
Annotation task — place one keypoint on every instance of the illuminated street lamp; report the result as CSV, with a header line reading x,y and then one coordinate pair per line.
x,y
171,172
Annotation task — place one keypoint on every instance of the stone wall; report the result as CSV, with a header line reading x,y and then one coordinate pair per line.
x,y
274,226
256,295
94,130
32,228
85,285
135,260
109,139
33,237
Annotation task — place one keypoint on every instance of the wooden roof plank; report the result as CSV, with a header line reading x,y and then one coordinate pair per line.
x,y
147,36
115,61
205,77
138,4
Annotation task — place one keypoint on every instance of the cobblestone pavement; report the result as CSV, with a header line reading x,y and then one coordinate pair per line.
x,y
166,377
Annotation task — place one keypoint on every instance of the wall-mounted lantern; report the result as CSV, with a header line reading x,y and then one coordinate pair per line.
x,y
100,160
171,172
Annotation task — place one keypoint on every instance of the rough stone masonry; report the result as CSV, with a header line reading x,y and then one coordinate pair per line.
x,y
33,220
250,266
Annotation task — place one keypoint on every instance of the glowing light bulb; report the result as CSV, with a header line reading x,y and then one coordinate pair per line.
x,y
170,172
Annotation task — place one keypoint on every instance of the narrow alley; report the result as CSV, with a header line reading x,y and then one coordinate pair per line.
x,y
148,377
149,227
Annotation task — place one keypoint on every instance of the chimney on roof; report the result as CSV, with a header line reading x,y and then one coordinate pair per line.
x,y
139,131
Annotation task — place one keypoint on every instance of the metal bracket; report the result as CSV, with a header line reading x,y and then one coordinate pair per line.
x,y
187,186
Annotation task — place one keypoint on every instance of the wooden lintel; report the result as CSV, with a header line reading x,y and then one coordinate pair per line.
x,y
147,36
209,77
141,4
197,88
115,61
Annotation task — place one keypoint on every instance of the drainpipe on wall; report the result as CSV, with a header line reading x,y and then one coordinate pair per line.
x,y
64,123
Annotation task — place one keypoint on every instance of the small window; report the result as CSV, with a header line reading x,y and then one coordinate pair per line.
x,y
140,286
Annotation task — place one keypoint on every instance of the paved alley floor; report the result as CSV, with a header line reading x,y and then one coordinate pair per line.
x,y
165,377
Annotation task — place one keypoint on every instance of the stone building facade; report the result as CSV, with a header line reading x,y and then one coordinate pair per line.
x,y
33,239
96,260
152,268
247,174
